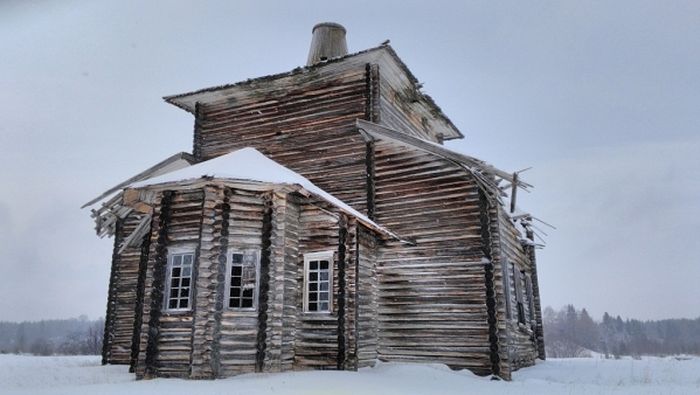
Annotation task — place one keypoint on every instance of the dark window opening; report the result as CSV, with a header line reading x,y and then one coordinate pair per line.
x,y
243,280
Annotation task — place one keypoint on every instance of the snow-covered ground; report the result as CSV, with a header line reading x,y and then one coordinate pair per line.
x,y
84,375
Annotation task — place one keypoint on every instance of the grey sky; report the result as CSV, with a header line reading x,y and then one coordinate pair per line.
x,y
602,98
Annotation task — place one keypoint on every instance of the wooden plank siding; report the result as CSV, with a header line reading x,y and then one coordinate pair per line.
x,y
431,304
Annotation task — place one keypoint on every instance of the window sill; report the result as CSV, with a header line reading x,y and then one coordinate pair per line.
x,y
319,315
168,313
524,328
240,310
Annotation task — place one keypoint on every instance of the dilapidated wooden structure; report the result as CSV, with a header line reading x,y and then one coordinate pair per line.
x,y
423,260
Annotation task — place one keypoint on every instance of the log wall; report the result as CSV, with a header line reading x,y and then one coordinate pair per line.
x,y
423,303
122,300
207,291
367,317
316,340
432,295
212,340
395,94
239,329
348,317
175,338
305,125
521,344
165,348
292,288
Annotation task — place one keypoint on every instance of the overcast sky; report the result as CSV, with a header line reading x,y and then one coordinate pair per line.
x,y
601,98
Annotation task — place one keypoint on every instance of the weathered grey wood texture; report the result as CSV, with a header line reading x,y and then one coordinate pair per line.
x,y
425,302
522,343
166,340
415,194
212,340
366,302
119,323
308,128
431,295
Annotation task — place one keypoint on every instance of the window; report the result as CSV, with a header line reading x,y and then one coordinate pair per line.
x,y
518,281
179,281
530,297
242,281
318,281
507,270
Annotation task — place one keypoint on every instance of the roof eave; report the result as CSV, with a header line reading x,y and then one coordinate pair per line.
x,y
264,185
187,157
177,99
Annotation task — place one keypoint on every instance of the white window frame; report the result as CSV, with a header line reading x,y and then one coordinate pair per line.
x,y
172,252
316,256
256,293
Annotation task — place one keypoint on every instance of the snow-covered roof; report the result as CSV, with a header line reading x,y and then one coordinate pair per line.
x,y
174,162
248,164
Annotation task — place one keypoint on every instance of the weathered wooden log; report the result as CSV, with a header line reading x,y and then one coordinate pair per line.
x,y
161,261
140,290
261,341
111,300
491,299
342,235
221,291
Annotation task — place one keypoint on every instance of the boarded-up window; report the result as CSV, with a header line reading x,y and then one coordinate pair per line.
x,y
179,281
318,281
518,281
243,274
507,270
530,297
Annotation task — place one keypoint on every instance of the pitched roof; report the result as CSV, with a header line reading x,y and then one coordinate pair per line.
x,y
171,163
248,164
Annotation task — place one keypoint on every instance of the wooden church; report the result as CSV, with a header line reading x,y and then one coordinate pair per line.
x,y
319,223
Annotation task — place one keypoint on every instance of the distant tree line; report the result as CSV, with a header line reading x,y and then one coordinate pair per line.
x,y
573,333
568,333
74,336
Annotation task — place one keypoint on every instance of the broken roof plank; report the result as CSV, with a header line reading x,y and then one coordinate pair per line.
x,y
383,132
174,162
